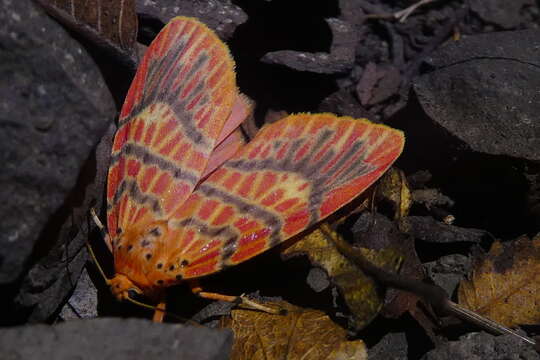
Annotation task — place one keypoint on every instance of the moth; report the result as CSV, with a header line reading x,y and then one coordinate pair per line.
x,y
186,197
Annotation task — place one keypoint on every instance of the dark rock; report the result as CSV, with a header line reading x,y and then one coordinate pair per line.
x,y
114,339
428,229
477,346
318,279
448,271
210,314
378,83
376,231
343,103
510,44
83,303
222,16
431,197
339,60
485,95
506,14
55,107
50,280
419,179
392,346
367,83
351,12
474,128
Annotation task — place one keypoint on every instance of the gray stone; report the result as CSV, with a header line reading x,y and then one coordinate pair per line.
x,y
480,346
431,197
339,60
54,107
343,103
114,339
318,279
46,286
503,13
83,303
222,16
428,229
484,91
375,231
448,271
392,346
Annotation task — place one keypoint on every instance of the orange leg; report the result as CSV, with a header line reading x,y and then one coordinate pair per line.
x,y
240,300
159,313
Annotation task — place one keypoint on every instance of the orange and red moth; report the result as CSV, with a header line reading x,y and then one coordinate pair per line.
x,y
187,198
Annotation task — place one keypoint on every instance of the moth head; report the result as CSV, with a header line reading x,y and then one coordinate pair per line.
x,y
123,288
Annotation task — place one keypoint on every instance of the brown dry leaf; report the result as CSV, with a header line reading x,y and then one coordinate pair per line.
x,y
361,293
301,334
505,285
111,25
393,187
376,231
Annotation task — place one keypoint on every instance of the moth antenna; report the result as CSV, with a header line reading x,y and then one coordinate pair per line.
x,y
155,308
373,195
91,251
101,228
94,259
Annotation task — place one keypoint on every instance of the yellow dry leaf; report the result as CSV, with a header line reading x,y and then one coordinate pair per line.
x,y
301,334
361,293
393,187
505,286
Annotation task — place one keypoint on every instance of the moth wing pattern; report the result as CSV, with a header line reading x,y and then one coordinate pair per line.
x,y
180,98
294,173
231,137
225,150
241,110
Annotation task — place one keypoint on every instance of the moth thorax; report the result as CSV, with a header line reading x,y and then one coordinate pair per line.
x,y
146,255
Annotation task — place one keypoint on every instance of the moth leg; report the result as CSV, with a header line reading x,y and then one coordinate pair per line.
x,y
159,313
239,300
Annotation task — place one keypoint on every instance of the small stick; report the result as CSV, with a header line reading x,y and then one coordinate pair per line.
x,y
468,315
400,15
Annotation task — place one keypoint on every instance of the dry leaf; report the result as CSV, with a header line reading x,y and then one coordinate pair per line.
x,y
505,285
393,187
111,25
361,293
377,84
376,231
301,334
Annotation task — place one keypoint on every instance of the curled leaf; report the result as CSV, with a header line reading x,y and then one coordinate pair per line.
x,y
505,285
110,25
301,334
393,188
361,293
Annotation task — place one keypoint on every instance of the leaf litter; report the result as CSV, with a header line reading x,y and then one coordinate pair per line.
x,y
505,283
